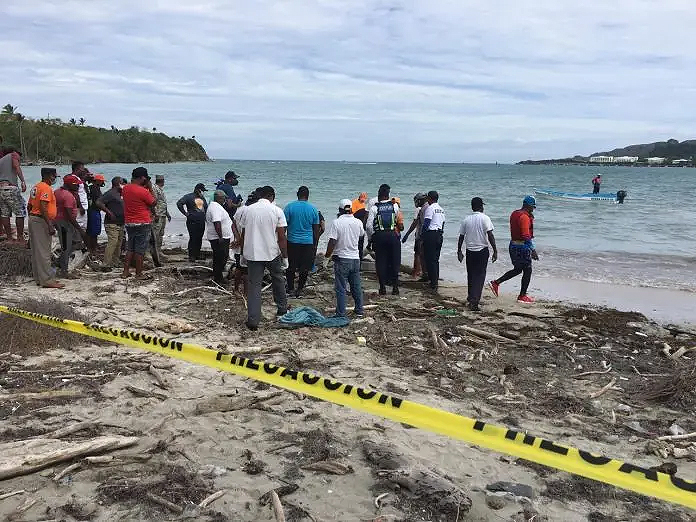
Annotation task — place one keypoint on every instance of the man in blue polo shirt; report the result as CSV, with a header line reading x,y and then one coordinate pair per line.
x,y
303,236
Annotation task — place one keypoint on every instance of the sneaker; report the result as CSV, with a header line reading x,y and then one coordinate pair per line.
x,y
251,327
525,299
395,290
474,307
382,290
494,286
359,315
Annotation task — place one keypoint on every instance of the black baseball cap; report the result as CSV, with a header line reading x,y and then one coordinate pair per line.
x,y
434,195
231,174
140,172
476,202
49,171
200,187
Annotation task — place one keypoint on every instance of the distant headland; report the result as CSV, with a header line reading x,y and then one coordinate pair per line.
x,y
53,141
670,153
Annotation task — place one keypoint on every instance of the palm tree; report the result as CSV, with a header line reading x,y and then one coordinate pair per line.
x,y
82,121
9,109
154,129
72,121
20,119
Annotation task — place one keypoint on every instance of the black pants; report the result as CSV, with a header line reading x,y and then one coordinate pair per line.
x,y
221,253
596,189
387,257
432,245
300,259
196,229
361,247
476,265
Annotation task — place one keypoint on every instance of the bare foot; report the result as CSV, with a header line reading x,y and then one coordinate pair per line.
x,y
125,275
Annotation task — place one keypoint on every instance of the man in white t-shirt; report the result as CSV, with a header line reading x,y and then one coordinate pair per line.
x,y
264,245
476,232
219,233
344,236
431,234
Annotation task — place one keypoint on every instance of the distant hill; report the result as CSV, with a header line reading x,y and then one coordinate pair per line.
x,y
51,140
670,149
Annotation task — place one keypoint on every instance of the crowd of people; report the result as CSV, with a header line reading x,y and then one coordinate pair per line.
x,y
262,239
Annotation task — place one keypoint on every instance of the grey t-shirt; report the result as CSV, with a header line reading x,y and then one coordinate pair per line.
x,y
113,201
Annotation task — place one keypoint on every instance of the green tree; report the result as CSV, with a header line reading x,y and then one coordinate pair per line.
x,y
82,122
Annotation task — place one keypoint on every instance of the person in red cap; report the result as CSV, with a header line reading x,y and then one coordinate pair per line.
x,y
66,221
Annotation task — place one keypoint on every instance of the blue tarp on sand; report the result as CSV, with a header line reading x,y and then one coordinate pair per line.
x,y
308,316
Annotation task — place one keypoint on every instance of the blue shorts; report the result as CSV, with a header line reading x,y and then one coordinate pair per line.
x,y
520,255
94,223
138,238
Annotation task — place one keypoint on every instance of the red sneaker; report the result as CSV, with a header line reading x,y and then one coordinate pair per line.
x,y
525,299
494,287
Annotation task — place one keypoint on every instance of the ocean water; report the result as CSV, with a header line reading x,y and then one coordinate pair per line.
x,y
649,241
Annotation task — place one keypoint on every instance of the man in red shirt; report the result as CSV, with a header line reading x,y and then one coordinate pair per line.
x,y
137,211
522,249
66,221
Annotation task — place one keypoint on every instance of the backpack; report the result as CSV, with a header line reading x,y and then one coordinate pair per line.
x,y
385,219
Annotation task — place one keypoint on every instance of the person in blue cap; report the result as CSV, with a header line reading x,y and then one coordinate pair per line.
x,y
522,250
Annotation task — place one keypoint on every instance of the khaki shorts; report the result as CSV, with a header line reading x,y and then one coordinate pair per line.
x,y
12,203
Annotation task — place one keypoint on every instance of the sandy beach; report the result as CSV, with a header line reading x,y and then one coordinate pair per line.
x,y
191,431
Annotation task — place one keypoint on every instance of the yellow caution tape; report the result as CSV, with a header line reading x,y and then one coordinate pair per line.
x,y
497,438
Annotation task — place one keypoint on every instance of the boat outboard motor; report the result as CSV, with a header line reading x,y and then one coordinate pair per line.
x,y
620,196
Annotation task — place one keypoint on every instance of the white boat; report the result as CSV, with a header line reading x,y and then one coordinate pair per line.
x,y
617,197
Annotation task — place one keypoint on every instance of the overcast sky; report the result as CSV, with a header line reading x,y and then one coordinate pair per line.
x,y
397,80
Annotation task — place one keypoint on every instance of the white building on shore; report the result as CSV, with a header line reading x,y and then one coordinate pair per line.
x,y
626,159
601,159
656,161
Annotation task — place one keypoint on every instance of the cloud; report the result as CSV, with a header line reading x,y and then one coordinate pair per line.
x,y
363,80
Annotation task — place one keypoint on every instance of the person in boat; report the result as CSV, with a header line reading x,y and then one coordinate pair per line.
x,y
596,182
522,250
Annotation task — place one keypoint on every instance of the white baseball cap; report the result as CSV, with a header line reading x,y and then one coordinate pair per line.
x,y
345,203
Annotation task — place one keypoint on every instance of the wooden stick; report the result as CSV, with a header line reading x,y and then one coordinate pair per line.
x,y
433,335
603,390
12,494
484,334
27,456
71,467
31,396
161,381
277,507
165,503
69,430
83,376
212,498
583,374
214,289
141,392
678,437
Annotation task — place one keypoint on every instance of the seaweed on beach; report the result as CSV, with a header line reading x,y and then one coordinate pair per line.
x,y
26,337
15,261
676,388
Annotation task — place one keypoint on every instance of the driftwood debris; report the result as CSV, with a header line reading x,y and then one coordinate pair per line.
x,y
27,456
70,468
142,392
69,430
36,396
286,489
164,503
159,378
12,494
211,498
606,388
224,403
684,436
329,466
277,507
484,334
